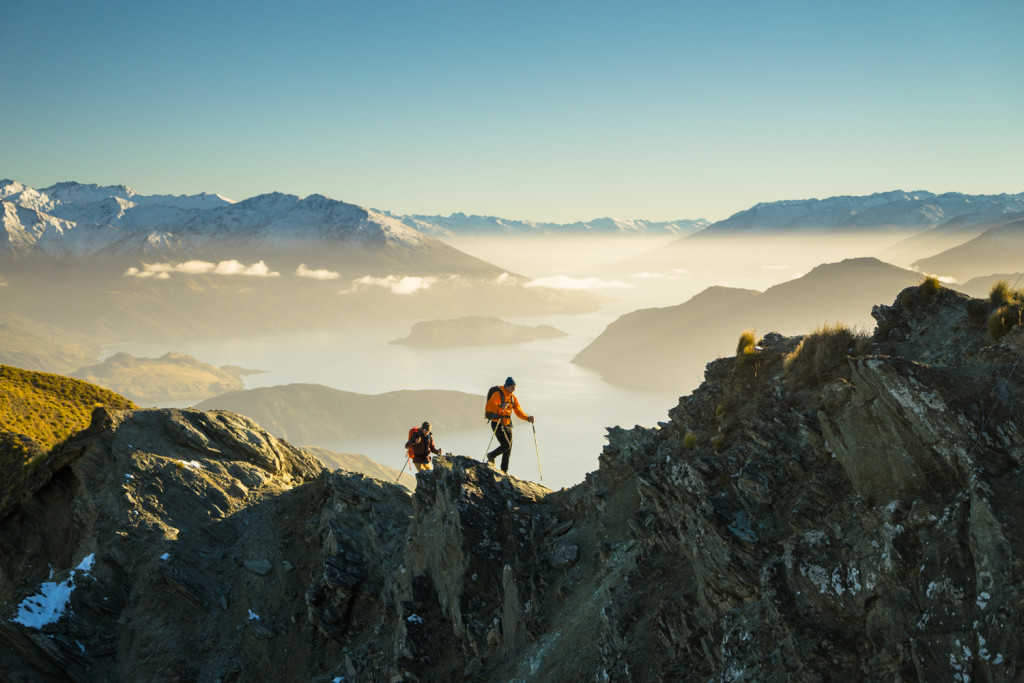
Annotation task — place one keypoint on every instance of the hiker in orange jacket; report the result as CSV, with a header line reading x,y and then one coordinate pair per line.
x,y
421,444
500,406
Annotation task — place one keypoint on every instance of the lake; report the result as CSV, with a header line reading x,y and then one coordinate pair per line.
x,y
572,405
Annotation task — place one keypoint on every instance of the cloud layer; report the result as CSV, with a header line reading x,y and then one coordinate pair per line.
x,y
317,274
162,271
404,284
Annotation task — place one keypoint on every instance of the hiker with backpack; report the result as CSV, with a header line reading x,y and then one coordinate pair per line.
x,y
420,445
501,403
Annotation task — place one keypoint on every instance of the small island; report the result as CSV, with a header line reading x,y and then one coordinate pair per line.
x,y
474,331
171,377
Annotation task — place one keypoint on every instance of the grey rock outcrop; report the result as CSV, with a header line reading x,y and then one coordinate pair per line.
x,y
860,525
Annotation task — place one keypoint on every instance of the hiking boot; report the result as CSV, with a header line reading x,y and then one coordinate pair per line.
x,y
490,463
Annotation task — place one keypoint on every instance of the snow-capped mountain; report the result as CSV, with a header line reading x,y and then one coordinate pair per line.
x,y
77,219
896,211
459,224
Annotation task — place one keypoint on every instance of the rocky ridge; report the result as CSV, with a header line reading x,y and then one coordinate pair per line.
x,y
802,515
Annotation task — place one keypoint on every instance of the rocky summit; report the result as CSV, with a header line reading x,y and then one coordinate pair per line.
x,y
832,507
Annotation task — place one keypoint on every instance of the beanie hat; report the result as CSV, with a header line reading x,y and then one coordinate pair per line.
x,y
425,426
509,382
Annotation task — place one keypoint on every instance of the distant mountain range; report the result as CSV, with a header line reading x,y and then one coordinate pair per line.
x,y
459,224
896,211
117,265
72,218
668,348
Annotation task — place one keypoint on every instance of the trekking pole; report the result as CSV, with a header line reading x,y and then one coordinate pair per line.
x,y
488,449
538,450
403,470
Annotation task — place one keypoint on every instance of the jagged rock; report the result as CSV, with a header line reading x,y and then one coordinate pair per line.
x,y
860,525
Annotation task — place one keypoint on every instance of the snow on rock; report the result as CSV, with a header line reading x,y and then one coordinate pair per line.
x,y
48,605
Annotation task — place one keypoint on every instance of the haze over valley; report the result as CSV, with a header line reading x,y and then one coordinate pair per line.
x,y
756,270
601,322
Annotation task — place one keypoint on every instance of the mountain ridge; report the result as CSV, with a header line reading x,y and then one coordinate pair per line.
x,y
681,336
773,527
895,211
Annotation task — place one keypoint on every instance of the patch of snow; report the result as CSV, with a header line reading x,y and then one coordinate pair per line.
x,y
87,563
165,556
47,606
415,618
253,616
983,599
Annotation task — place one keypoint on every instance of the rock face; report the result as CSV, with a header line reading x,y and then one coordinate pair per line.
x,y
861,525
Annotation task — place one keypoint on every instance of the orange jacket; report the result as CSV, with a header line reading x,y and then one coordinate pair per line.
x,y
501,405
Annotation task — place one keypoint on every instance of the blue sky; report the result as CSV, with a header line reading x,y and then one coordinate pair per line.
x,y
555,111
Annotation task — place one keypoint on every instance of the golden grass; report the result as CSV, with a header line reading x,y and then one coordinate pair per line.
x,y
50,408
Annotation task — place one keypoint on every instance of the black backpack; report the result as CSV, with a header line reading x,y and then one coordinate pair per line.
x,y
490,392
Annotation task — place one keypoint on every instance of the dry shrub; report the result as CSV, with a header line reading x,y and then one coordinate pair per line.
x,y
1009,303
930,285
820,355
747,342
1004,319
746,347
1001,293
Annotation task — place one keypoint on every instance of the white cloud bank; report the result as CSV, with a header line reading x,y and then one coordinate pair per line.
x,y
162,271
316,274
396,284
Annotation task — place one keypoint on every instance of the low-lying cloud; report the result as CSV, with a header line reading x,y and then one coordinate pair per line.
x,y
163,271
566,282
316,274
396,284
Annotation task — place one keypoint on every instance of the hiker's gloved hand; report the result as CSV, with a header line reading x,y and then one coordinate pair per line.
x,y
530,419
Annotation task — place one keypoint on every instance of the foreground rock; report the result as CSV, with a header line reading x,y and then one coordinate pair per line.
x,y
806,514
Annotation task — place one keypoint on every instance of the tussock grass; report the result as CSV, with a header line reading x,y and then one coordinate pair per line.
x,y
50,408
821,354
930,285
746,347
746,344
1009,312
690,441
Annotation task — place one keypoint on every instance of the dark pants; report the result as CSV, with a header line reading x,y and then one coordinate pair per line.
x,y
504,449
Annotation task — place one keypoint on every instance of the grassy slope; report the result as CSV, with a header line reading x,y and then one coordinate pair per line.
x,y
49,408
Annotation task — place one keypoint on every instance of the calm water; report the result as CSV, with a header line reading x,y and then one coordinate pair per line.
x,y
572,405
